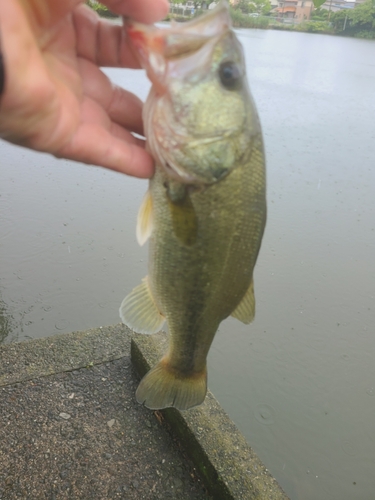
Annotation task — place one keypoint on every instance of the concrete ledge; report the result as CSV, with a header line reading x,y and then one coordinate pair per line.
x,y
70,426
228,466
61,353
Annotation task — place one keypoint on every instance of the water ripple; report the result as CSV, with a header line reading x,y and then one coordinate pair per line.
x,y
265,414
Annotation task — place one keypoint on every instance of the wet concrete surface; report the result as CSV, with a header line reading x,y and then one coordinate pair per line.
x,y
80,434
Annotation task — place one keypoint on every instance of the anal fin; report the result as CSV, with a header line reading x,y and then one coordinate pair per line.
x,y
245,311
139,312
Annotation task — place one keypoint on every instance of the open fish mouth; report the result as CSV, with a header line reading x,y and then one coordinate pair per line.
x,y
156,46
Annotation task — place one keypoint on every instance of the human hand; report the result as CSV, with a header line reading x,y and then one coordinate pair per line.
x,y
56,99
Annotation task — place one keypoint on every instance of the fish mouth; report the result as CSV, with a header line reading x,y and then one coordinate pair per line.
x,y
155,46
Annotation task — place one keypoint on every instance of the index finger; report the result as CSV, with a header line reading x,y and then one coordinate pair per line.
x,y
100,41
144,11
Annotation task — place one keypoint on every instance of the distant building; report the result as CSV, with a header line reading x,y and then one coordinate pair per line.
x,y
304,10
336,5
287,8
300,10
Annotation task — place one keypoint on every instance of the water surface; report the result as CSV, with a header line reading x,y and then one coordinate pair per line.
x,y
299,381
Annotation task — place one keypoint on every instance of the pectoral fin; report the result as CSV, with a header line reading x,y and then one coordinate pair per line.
x,y
145,219
139,312
184,218
245,311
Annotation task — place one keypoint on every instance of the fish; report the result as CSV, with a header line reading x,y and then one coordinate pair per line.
x,y
204,213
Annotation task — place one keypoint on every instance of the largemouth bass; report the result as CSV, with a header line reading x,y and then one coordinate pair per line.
x,y
205,209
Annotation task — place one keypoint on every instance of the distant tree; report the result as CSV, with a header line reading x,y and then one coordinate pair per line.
x,y
363,16
244,7
359,21
338,19
318,3
251,6
262,6
320,14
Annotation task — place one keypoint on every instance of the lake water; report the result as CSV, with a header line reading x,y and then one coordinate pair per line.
x,y
300,381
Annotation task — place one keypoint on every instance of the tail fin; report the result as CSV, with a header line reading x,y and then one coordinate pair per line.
x,y
163,387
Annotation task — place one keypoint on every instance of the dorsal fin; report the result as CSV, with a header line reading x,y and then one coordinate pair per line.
x,y
245,311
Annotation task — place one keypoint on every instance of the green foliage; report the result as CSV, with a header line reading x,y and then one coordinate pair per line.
x,y
244,7
282,27
265,7
262,7
236,16
101,9
314,27
363,16
360,21
320,14
241,20
370,35
318,3
338,19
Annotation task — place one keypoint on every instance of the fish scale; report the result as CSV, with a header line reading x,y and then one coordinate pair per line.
x,y
205,211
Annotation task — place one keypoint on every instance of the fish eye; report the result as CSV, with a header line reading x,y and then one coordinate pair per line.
x,y
230,75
